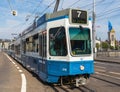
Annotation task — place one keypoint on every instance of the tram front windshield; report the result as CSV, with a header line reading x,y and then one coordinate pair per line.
x,y
80,41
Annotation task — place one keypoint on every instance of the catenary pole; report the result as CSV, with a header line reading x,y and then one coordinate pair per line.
x,y
56,5
93,30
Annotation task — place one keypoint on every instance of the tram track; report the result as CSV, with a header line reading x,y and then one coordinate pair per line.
x,y
108,81
102,79
95,81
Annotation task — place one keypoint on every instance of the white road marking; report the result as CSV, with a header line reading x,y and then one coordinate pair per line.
x,y
8,57
23,88
107,75
100,67
20,71
13,63
18,68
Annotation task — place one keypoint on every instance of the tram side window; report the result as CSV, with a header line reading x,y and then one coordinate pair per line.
x,y
17,49
12,47
32,43
29,44
23,46
57,43
35,43
42,44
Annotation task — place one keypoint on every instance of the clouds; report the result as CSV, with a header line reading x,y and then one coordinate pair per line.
x,y
12,22
5,33
8,29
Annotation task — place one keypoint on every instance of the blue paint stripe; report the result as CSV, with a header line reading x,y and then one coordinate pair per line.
x,y
57,18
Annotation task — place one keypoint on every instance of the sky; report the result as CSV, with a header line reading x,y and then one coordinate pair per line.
x,y
105,10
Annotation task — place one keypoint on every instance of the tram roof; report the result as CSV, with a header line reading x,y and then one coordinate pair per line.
x,y
47,17
59,13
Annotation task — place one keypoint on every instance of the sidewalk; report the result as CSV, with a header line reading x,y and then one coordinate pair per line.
x,y
108,59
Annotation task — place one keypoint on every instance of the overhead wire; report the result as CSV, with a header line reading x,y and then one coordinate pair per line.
x,y
37,7
97,4
9,5
33,12
101,14
62,4
90,4
74,3
110,11
107,17
40,13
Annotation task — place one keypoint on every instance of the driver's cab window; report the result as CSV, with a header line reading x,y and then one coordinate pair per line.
x,y
57,43
80,41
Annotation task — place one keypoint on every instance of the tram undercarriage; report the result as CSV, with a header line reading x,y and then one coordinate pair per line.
x,y
74,80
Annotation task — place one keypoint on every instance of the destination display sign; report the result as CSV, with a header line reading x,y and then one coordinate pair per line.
x,y
79,16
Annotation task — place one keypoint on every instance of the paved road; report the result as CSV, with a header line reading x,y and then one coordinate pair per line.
x,y
105,79
10,79
107,76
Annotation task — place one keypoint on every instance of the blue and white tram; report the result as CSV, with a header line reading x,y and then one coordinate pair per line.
x,y
15,49
58,47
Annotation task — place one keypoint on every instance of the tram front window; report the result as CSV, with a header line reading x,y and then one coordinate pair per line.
x,y
80,41
57,43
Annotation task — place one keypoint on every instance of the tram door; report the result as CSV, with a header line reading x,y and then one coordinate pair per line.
x,y
42,52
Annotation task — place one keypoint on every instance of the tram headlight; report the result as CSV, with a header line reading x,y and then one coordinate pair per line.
x,y
82,67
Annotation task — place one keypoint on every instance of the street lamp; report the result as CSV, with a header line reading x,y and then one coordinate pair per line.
x,y
14,13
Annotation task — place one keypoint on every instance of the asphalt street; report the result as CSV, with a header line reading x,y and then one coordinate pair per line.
x,y
10,79
105,79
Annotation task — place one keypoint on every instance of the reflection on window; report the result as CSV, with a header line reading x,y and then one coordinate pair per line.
x,y
80,41
57,42
35,43
31,44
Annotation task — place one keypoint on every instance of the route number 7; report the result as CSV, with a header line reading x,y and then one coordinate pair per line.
x,y
79,13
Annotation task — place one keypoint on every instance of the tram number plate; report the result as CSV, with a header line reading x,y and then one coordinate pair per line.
x,y
79,16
